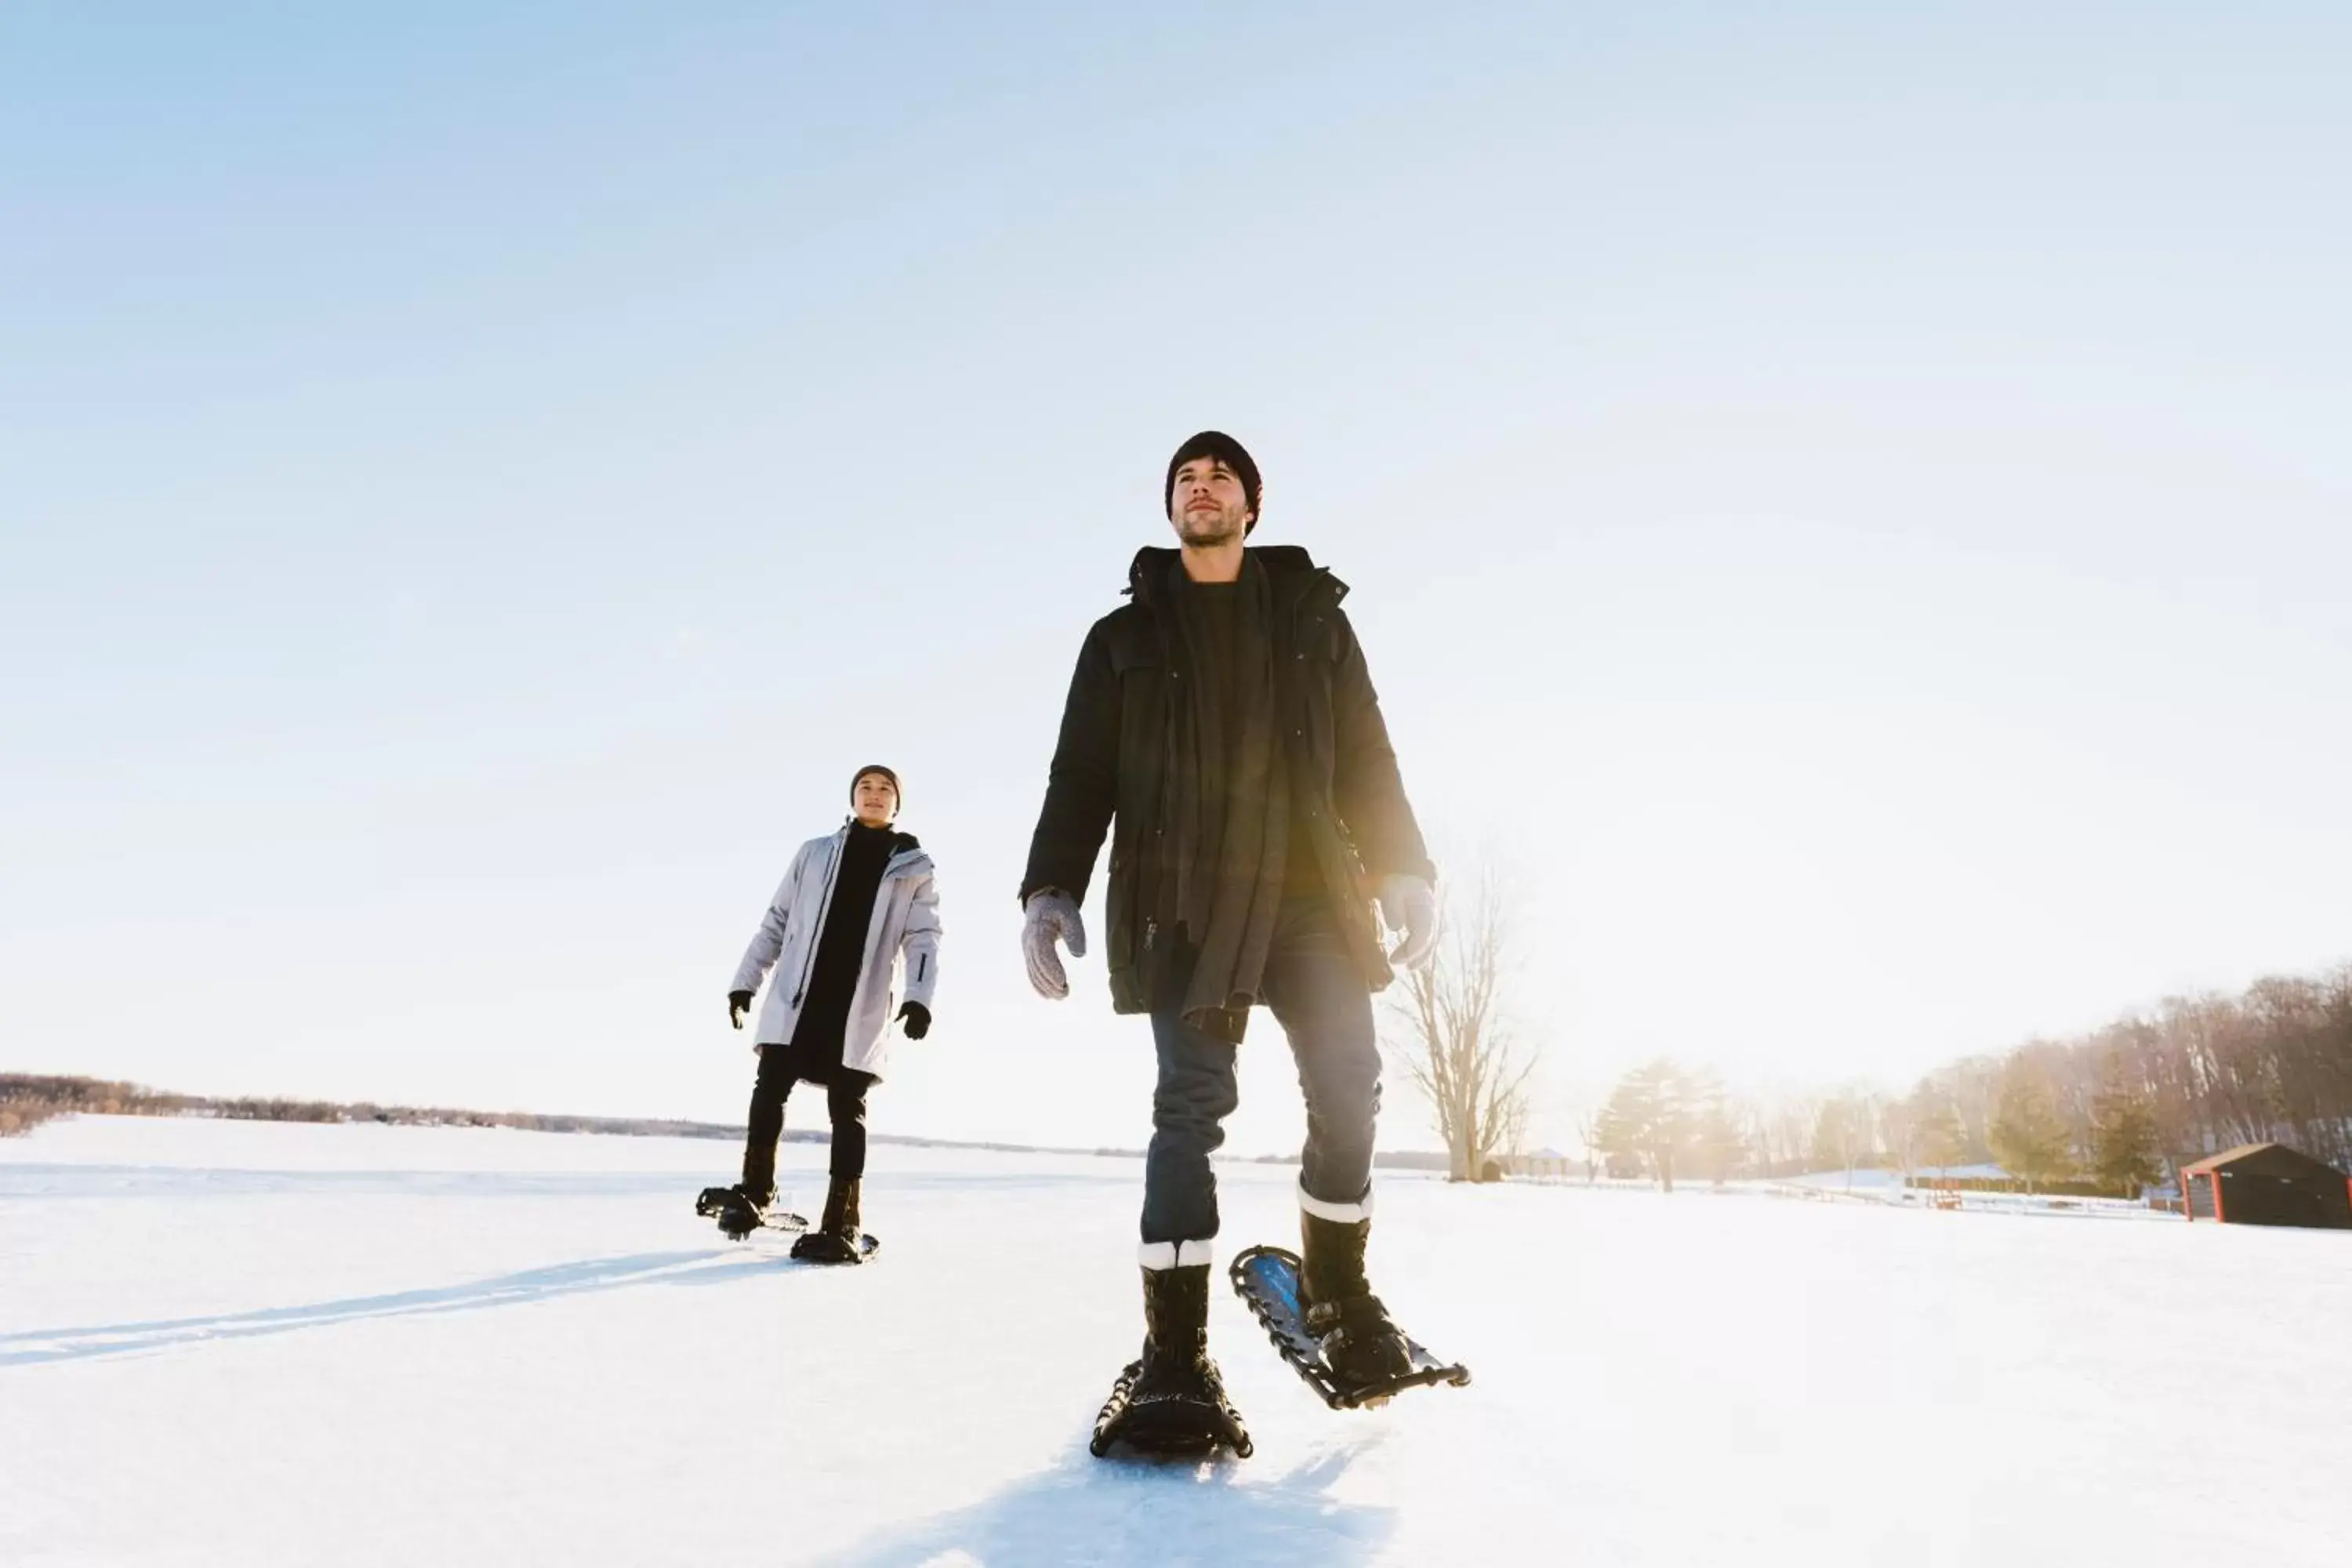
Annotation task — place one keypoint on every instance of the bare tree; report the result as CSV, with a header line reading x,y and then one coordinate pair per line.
x,y
1842,1137
1587,1132
1898,1134
1793,1118
1454,1041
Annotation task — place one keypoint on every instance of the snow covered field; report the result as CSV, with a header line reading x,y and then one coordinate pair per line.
x,y
243,1344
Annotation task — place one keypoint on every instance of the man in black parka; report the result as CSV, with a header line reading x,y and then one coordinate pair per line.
x,y
1222,726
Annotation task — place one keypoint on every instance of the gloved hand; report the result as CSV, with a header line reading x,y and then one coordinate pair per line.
x,y
1409,905
918,1019
1053,916
738,1003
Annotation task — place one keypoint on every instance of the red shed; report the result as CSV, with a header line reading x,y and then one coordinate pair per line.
x,y
2267,1184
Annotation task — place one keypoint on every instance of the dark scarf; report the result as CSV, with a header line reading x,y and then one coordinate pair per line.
x,y
1231,798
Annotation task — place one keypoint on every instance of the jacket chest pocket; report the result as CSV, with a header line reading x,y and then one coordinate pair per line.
x,y
1309,707
1145,684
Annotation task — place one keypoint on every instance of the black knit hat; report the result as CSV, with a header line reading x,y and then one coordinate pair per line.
x,y
1226,451
886,772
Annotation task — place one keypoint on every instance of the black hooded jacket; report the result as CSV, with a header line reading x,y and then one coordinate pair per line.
x,y
1112,761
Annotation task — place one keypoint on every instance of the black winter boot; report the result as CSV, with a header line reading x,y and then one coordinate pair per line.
x,y
1360,1345
837,1238
1172,1400
1176,1335
740,1210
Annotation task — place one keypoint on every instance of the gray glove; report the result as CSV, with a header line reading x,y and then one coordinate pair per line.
x,y
1409,905
1053,916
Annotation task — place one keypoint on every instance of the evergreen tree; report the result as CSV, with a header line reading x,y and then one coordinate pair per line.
x,y
1721,1144
1622,1132
2123,1141
1943,1141
2027,1136
1650,1116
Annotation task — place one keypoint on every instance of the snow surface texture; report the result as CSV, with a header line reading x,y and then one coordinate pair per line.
x,y
242,1343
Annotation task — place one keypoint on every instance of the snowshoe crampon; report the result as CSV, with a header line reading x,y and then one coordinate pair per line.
x,y
1267,1278
1167,1424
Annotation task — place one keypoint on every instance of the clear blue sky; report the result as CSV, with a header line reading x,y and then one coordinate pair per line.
x,y
1849,505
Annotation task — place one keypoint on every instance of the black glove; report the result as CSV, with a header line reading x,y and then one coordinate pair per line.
x,y
738,1003
918,1019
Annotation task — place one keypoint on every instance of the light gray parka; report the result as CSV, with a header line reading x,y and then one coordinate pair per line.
x,y
902,946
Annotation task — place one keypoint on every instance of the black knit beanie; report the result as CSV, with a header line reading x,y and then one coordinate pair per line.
x,y
1226,451
886,772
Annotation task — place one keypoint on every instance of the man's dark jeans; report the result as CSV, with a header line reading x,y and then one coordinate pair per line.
x,y
1318,996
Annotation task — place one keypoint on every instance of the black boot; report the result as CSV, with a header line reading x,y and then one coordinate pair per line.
x,y
1175,1359
740,1210
837,1238
1360,1345
1172,1400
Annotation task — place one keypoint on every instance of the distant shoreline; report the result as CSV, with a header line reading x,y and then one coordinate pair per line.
x,y
28,1099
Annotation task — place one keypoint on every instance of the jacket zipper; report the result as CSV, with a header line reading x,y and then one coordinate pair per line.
x,y
1155,853
832,874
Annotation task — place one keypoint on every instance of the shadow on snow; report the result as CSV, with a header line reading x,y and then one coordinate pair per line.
x,y
699,1268
1087,1511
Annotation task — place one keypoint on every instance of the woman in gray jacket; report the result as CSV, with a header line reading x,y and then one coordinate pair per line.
x,y
854,919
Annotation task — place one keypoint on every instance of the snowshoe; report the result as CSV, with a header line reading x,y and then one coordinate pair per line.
x,y
1361,1344
739,1213
1172,1400
838,1238
1268,1280
832,1246
1170,1417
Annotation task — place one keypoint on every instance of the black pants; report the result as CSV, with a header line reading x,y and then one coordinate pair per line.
x,y
781,1066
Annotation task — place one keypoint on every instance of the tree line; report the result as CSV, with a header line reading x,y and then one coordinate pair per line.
x,y
28,1100
2115,1110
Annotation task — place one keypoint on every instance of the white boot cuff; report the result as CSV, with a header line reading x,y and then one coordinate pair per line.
x,y
1345,1214
1157,1255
